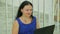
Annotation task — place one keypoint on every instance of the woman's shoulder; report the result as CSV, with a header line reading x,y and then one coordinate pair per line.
x,y
34,16
15,23
16,18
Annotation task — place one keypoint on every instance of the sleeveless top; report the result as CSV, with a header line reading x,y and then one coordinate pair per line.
x,y
27,28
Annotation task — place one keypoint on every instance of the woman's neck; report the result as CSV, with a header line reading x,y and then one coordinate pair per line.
x,y
25,17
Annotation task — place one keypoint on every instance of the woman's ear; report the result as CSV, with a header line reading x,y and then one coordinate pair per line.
x,y
21,10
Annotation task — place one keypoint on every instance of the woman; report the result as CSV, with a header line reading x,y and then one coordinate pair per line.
x,y
25,22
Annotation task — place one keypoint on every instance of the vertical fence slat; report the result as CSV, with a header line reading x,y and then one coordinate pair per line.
x,y
6,18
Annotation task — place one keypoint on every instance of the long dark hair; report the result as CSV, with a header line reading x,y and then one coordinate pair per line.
x,y
19,14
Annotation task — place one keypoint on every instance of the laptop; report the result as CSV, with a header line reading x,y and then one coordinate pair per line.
x,y
45,30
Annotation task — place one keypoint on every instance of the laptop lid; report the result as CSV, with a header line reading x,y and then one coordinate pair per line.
x,y
45,30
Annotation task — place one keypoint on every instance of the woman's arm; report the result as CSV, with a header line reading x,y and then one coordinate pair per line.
x,y
37,24
15,27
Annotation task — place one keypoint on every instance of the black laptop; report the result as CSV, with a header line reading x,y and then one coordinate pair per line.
x,y
45,30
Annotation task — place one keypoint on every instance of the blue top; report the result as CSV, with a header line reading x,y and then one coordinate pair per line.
x,y
27,28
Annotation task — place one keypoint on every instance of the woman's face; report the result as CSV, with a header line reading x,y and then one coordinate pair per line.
x,y
27,10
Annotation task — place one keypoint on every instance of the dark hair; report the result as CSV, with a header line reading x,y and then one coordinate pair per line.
x,y
19,14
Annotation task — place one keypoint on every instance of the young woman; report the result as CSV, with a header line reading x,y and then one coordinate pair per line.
x,y
25,22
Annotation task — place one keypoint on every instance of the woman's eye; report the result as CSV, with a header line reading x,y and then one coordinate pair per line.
x,y
31,10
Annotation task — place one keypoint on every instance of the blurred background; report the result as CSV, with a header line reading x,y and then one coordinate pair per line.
x,y
47,12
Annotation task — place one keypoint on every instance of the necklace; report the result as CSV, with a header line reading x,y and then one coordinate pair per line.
x,y
26,20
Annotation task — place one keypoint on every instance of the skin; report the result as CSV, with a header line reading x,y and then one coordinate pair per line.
x,y
25,18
